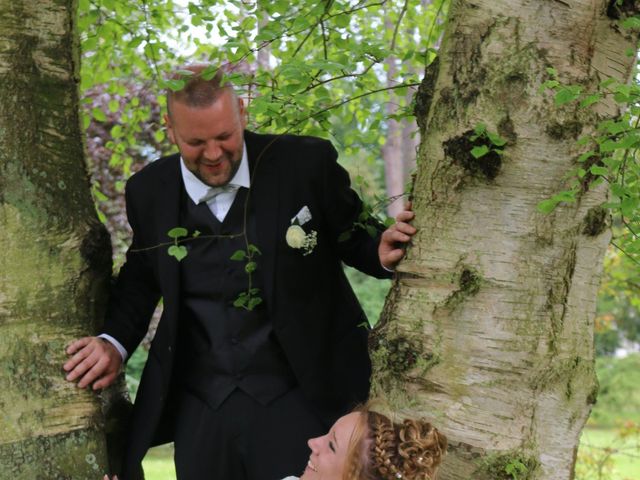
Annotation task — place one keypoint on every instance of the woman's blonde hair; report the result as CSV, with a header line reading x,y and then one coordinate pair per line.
x,y
380,449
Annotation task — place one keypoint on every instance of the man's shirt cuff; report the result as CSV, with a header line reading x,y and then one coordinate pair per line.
x,y
117,344
390,270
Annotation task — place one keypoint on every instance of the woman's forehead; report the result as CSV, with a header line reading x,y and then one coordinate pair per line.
x,y
343,428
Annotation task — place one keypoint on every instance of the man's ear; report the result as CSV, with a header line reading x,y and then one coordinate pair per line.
x,y
242,113
170,133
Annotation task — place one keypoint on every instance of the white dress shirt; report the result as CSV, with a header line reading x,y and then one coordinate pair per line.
x,y
218,199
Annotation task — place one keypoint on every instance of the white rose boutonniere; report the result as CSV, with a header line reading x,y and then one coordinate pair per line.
x,y
296,237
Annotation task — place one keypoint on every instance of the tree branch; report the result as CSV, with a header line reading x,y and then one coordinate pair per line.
x,y
625,253
346,75
344,102
397,27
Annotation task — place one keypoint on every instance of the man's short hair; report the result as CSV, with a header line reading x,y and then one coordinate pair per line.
x,y
197,91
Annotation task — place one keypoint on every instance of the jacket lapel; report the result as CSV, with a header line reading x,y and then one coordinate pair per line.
x,y
264,197
168,217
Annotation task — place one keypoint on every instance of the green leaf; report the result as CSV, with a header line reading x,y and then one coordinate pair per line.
x,y
608,146
408,55
254,302
516,468
597,170
583,140
496,139
615,128
631,23
371,230
254,250
344,236
586,156
178,251
116,131
552,71
98,115
479,129
241,301
621,97
175,85
239,255
209,72
629,206
101,197
177,232
628,141
135,42
606,83
590,100
114,105
547,206
618,190
479,151
567,94
566,196
250,267
159,136
196,234
342,20
90,44
548,85
364,215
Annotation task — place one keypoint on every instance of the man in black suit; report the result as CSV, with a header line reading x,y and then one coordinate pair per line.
x,y
239,390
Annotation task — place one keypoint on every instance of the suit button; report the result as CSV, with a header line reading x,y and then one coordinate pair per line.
x,y
169,348
234,341
239,376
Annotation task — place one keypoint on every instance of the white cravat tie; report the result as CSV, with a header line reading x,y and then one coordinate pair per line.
x,y
220,199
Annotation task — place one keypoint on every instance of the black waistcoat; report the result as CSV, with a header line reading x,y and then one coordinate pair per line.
x,y
223,347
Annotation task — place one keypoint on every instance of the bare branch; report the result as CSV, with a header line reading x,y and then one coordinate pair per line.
x,y
397,27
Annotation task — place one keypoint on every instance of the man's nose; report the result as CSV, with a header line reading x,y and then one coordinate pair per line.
x,y
212,150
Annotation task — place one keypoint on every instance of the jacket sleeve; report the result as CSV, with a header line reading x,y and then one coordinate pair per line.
x,y
356,240
135,292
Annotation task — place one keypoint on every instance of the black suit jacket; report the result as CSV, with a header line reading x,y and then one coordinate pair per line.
x,y
316,317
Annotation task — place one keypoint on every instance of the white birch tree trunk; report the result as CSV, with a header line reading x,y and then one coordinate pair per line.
x,y
488,329
55,261
392,149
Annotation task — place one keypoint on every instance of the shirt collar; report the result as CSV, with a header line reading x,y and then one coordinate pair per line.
x,y
197,190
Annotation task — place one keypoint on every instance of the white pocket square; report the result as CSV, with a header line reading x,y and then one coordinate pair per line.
x,y
302,217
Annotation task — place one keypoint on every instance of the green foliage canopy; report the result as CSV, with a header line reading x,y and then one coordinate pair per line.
x,y
298,63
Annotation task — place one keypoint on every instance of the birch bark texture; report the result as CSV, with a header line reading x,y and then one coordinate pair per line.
x,y
488,328
55,260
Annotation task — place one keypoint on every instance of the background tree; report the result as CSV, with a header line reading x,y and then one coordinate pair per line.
x,y
488,329
55,262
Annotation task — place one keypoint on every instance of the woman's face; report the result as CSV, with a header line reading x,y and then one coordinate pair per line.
x,y
329,452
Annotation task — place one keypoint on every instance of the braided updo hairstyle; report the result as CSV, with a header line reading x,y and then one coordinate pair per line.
x,y
383,450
